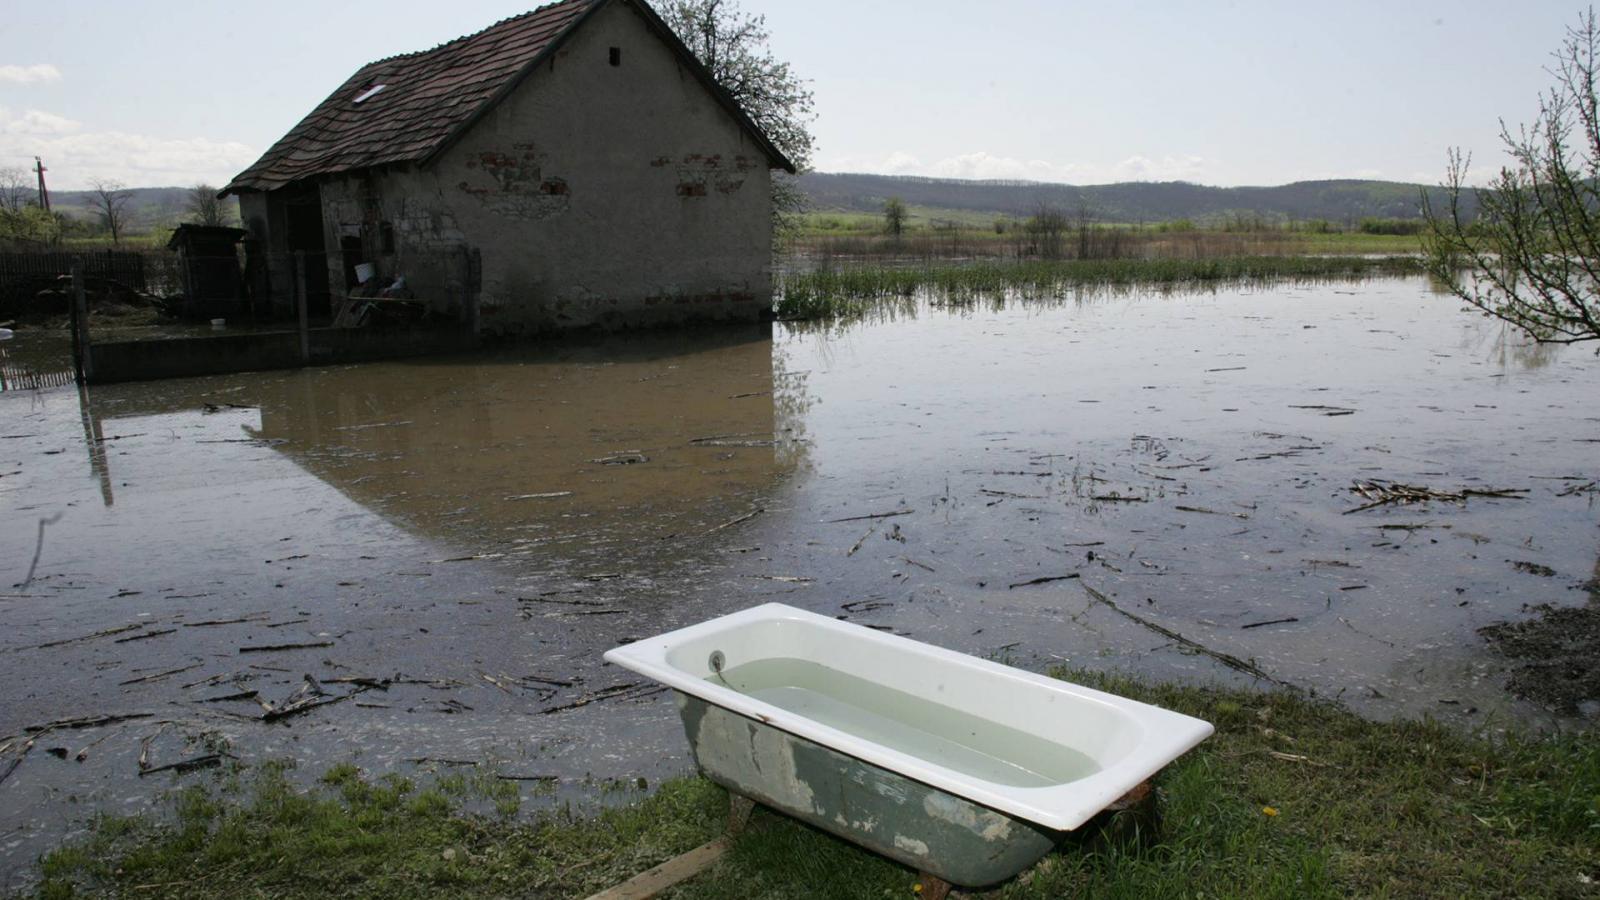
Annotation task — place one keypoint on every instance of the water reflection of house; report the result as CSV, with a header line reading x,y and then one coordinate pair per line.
x,y
641,436
571,166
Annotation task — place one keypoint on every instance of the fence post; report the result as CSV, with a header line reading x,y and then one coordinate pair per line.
x,y
474,285
82,362
300,305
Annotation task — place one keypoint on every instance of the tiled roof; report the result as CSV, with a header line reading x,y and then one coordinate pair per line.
x,y
430,98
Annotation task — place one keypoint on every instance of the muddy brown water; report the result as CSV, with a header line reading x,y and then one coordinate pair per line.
x,y
448,545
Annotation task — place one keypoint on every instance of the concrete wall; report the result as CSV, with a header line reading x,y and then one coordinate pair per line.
x,y
118,361
271,279
595,194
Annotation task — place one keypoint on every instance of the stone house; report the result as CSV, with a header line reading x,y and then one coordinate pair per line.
x,y
572,166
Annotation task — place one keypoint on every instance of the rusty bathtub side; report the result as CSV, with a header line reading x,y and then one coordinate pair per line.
x,y
914,824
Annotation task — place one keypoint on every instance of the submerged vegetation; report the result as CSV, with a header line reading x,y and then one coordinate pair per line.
x,y
852,292
951,234
1291,798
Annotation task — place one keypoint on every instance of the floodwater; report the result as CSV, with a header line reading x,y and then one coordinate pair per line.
x,y
446,546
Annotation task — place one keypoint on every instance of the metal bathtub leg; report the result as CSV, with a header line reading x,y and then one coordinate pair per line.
x,y
739,809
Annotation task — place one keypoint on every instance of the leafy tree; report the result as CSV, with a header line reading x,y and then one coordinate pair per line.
x,y
1046,227
109,200
1531,257
894,216
30,225
732,45
204,207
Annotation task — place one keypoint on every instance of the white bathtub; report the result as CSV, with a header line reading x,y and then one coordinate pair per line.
x,y
785,706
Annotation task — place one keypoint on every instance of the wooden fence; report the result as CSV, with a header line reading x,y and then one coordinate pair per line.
x,y
24,275
116,265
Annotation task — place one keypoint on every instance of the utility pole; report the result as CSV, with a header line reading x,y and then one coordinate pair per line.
x,y
44,192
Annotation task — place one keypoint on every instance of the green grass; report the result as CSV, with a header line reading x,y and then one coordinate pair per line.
x,y
1356,242
846,293
1406,809
918,218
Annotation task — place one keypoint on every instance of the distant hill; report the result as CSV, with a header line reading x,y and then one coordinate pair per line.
x,y
1336,201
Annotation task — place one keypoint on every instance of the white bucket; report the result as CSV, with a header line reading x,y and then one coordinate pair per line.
x,y
364,272
5,334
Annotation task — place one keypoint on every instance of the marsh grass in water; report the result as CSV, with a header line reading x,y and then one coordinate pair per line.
x,y
1291,798
847,293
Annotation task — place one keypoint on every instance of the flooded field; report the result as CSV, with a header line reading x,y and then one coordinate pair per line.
x,y
416,565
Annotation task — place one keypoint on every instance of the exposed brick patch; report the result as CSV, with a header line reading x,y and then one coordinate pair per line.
x,y
699,173
521,190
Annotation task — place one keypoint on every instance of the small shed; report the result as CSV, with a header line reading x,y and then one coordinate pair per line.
x,y
575,166
208,267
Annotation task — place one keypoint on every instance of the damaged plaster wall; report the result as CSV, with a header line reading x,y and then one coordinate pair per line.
x,y
404,227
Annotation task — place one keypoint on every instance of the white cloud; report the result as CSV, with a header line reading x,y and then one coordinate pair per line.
x,y
12,74
982,165
76,156
1167,168
36,123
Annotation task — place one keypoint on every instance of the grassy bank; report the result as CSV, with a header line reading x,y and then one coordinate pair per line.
x,y
837,293
945,234
1291,798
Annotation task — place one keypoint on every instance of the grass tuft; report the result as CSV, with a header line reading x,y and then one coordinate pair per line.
x,y
853,292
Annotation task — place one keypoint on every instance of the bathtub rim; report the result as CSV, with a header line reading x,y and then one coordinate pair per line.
x,y
1162,735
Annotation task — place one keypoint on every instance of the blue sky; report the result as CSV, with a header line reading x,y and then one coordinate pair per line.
x,y
1243,92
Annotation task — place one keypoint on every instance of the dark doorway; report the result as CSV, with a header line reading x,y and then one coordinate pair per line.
x,y
353,255
303,213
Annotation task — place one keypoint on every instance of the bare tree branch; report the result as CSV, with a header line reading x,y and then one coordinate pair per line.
x,y
204,207
1531,255
109,199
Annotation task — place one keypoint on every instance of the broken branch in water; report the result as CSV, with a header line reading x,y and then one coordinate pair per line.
x,y
1051,579
1209,512
1385,493
742,519
629,691
88,637
274,648
145,636
158,676
1227,659
854,549
310,696
1287,621
27,746
882,515
86,722
215,622
547,599
207,761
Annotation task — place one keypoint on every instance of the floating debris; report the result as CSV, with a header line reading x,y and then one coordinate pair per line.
x,y
1386,493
